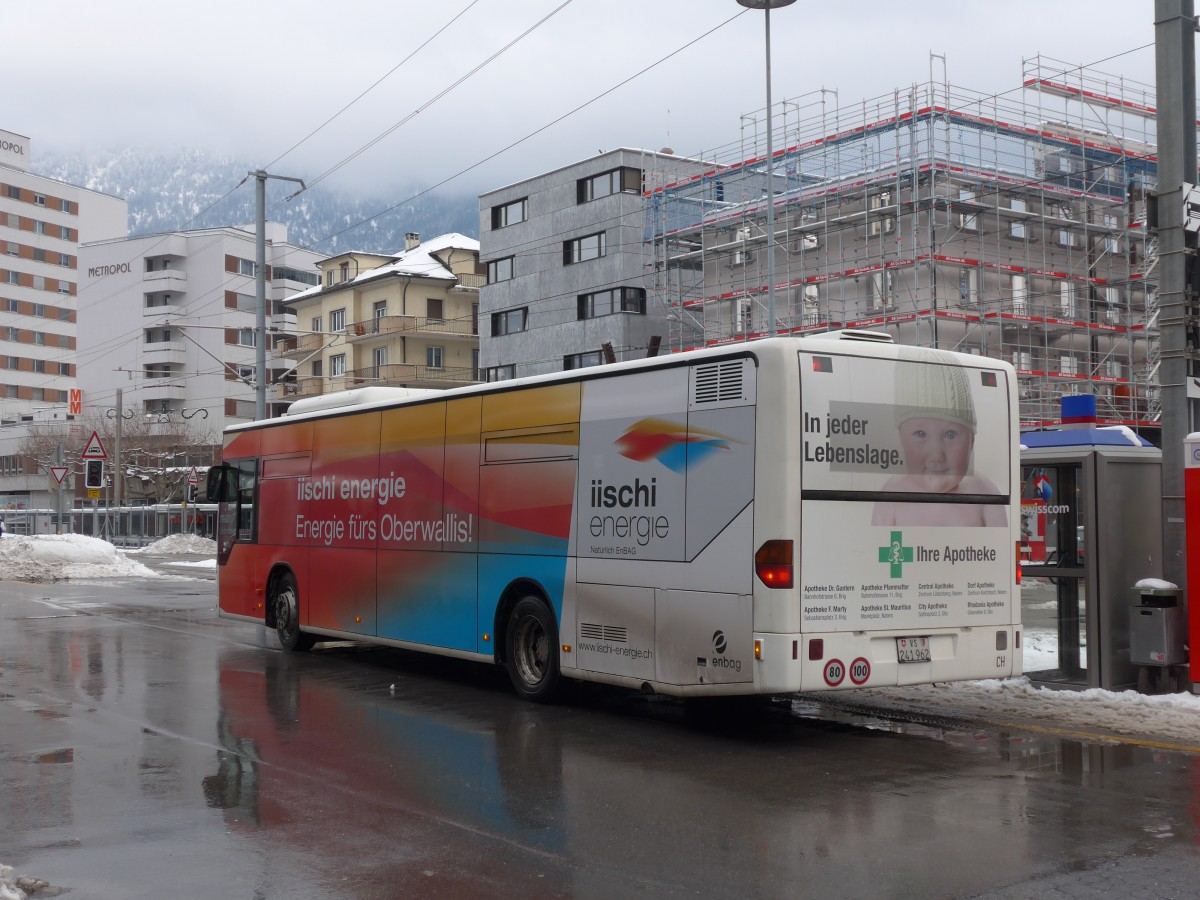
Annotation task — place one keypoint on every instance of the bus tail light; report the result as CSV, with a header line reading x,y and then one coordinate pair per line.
x,y
773,564
1018,566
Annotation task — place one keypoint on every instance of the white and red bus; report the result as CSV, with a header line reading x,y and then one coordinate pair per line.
x,y
781,515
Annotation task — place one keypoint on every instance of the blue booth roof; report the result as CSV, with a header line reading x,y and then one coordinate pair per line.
x,y
1083,437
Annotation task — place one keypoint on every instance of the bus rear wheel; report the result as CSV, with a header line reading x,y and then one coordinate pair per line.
x,y
532,651
286,604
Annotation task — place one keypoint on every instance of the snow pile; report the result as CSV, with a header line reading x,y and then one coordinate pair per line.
x,y
8,886
1013,702
58,557
180,543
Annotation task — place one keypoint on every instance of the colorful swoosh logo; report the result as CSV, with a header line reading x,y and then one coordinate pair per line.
x,y
669,443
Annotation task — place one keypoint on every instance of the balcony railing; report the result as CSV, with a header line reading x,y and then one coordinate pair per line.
x,y
382,326
409,375
300,344
471,280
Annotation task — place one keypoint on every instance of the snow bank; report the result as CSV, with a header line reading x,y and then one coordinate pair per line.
x,y
59,557
180,543
1015,701
8,885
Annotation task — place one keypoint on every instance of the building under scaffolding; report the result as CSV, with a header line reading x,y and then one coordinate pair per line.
x,y
1014,227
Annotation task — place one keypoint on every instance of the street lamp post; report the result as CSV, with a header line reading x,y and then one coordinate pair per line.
x,y
766,6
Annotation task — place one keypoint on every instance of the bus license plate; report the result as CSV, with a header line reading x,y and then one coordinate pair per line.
x,y
912,649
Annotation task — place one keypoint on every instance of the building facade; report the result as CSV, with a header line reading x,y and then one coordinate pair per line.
x,y
42,224
1010,227
566,262
170,320
406,320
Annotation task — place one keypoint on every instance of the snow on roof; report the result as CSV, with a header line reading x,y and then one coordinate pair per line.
x,y
419,262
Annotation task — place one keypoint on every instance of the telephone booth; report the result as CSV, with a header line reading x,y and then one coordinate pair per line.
x,y
1091,528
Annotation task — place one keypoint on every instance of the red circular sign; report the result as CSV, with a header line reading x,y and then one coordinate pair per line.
x,y
860,671
835,672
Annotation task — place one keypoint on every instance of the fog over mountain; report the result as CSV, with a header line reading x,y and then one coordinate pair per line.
x,y
189,190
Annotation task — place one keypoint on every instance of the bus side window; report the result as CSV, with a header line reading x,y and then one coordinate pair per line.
x,y
247,494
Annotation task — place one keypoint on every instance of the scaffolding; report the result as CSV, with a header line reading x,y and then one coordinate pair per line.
x,y
1010,227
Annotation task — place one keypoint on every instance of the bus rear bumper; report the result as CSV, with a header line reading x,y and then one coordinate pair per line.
x,y
848,660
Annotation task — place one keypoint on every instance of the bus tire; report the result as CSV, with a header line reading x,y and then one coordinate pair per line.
x,y
285,602
531,643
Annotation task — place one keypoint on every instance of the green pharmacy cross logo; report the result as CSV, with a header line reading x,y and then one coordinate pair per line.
x,y
896,554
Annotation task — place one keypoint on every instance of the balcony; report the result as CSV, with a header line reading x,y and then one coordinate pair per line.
x,y
470,280
301,387
299,345
162,389
173,280
409,375
162,311
386,326
163,352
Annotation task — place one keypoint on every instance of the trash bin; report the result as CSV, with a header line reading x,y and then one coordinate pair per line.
x,y
1157,626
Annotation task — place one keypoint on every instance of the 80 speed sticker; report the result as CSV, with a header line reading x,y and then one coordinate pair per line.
x,y
835,672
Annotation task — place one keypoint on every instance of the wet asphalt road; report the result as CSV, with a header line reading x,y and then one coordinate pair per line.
x,y
149,749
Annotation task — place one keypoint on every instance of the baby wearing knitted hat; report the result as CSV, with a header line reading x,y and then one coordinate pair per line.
x,y
936,419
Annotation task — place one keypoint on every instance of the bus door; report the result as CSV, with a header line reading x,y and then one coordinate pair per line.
x,y
235,488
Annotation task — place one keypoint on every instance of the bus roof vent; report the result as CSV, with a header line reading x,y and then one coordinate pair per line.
x,y
719,382
857,334
354,397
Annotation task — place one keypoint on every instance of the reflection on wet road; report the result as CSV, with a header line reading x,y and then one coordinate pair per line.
x,y
145,744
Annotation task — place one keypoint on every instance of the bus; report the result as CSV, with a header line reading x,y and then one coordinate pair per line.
x,y
781,515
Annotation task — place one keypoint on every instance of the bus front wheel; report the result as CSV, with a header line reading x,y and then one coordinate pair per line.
x,y
286,604
532,651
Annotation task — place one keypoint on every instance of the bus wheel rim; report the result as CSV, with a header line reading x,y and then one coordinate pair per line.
x,y
532,650
285,610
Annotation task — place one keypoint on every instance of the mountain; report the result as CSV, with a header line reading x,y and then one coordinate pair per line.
x,y
195,190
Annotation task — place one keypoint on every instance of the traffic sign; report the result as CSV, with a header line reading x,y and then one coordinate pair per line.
x,y
835,672
59,473
95,448
194,477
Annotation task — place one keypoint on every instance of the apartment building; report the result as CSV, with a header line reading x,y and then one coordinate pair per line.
x,y
170,319
565,263
410,319
42,224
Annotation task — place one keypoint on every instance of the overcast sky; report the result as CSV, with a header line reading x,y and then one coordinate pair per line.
x,y
251,78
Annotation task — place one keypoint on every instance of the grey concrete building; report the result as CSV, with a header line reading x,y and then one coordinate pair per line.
x,y
568,268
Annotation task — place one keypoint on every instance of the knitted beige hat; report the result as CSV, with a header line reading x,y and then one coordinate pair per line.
x,y
934,390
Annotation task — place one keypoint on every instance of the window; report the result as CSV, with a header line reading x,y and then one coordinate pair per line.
x,y
14,192
380,312
284,273
617,300
584,248
39,227
39,255
1018,227
247,337
316,324
615,181
317,368
968,221
329,278
39,366
379,360
64,259
1020,295
1066,298
880,224
500,373
12,363
433,310
39,309
13,277
14,249
11,305
510,213
337,320
500,270
39,337
583,360
39,199
65,206
245,267
882,290
12,333
433,357
344,271
510,321
337,365
968,285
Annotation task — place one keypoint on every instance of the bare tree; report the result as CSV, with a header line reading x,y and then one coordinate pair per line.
x,y
156,455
